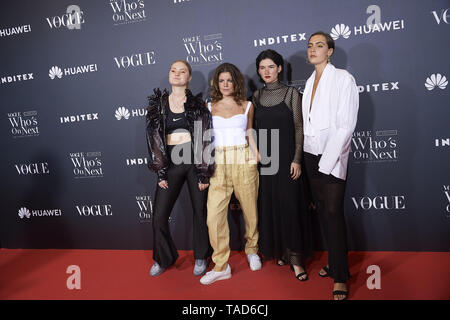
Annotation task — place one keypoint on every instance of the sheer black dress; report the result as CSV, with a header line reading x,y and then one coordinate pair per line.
x,y
283,219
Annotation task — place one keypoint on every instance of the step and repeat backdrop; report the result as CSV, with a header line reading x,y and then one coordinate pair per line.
x,y
74,81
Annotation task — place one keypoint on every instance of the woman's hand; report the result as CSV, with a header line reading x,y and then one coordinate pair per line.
x,y
203,186
163,184
251,157
296,171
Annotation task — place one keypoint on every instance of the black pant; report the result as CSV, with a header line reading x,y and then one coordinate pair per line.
x,y
328,196
164,250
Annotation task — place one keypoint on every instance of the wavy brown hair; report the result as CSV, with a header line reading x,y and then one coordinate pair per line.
x,y
238,83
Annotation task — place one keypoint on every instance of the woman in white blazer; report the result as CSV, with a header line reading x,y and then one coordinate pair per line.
x,y
330,107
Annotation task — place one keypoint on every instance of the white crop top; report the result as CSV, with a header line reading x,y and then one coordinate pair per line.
x,y
230,131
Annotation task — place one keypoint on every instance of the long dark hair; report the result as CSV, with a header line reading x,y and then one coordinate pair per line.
x,y
238,83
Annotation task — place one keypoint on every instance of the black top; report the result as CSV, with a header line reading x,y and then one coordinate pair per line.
x,y
176,121
273,94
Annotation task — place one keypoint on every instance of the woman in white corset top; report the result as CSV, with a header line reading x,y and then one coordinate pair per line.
x,y
236,170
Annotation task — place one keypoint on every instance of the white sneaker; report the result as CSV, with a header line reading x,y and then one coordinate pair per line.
x,y
200,267
213,276
254,261
156,270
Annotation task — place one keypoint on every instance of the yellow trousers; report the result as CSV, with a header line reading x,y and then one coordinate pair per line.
x,y
234,172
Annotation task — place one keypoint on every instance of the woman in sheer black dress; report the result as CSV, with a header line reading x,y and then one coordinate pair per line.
x,y
284,224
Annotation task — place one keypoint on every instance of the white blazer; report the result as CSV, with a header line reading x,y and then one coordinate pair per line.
x,y
328,128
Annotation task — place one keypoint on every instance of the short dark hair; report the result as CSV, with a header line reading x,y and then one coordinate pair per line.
x,y
328,38
272,55
269,54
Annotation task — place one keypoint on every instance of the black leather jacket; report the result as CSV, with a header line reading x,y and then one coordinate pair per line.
x,y
201,137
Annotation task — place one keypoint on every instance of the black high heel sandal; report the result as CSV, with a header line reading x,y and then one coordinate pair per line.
x,y
327,272
300,275
340,293
281,263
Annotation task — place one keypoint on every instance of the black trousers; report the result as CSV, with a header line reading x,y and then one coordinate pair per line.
x,y
164,250
328,195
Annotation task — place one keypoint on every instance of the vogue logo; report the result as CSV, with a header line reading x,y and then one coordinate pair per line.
x,y
444,15
57,72
442,142
32,168
101,210
23,124
377,87
72,19
145,206
15,30
127,11
87,165
78,118
379,203
436,80
124,113
135,60
203,51
447,196
25,213
287,38
17,78
379,148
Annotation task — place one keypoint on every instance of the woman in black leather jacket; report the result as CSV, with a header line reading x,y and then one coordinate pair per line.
x,y
179,140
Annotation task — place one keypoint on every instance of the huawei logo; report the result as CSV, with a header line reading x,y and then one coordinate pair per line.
x,y
122,112
436,80
24,212
340,30
55,72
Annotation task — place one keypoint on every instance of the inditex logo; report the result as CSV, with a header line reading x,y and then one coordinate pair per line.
x,y
17,78
124,113
379,87
15,30
366,203
442,142
57,72
24,169
26,213
136,161
135,60
79,118
24,124
94,210
72,19
436,80
126,11
87,165
368,147
204,50
442,16
280,39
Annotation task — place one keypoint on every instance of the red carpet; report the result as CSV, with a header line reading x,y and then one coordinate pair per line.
x,y
124,274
